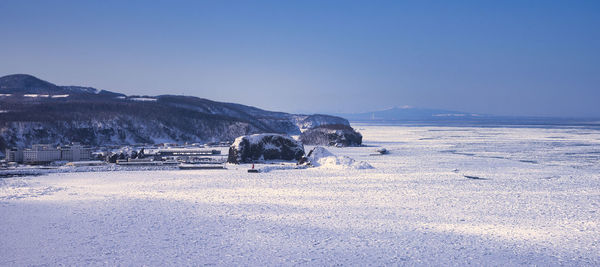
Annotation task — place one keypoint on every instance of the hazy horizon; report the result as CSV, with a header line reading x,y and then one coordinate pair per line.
x,y
535,58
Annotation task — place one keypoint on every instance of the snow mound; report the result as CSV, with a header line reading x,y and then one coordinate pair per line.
x,y
321,157
318,153
343,162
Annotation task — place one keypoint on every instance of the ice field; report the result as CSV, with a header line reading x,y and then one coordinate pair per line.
x,y
443,196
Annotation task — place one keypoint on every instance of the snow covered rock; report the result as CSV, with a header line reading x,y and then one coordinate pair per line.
x,y
260,147
306,122
331,135
321,157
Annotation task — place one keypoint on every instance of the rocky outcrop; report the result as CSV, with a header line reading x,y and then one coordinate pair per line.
x,y
261,147
306,122
331,135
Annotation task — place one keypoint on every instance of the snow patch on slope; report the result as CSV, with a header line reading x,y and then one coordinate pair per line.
x,y
35,95
253,139
143,99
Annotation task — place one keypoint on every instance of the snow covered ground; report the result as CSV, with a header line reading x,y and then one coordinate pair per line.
x,y
533,198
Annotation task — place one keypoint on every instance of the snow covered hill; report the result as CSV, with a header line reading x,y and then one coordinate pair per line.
x,y
36,111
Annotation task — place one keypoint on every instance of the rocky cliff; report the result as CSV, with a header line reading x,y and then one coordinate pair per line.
x,y
331,135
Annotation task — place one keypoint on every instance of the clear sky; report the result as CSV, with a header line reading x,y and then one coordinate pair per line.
x,y
497,57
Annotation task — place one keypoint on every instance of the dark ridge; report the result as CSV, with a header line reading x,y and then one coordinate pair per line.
x,y
24,83
475,177
334,127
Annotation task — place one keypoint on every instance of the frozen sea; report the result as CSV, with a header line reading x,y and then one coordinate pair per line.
x,y
443,196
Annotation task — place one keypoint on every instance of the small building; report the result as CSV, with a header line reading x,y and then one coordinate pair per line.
x,y
145,162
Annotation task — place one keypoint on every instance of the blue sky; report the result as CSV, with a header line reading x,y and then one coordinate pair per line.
x,y
495,57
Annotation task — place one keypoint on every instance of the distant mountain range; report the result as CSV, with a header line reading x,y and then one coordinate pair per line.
x,y
411,115
36,111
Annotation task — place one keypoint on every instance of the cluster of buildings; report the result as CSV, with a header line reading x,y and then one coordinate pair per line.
x,y
169,155
41,154
77,154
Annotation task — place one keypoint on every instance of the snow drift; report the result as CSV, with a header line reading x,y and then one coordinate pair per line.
x,y
321,157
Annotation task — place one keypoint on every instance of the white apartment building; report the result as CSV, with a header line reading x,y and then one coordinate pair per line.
x,y
41,153
14,155
75,152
